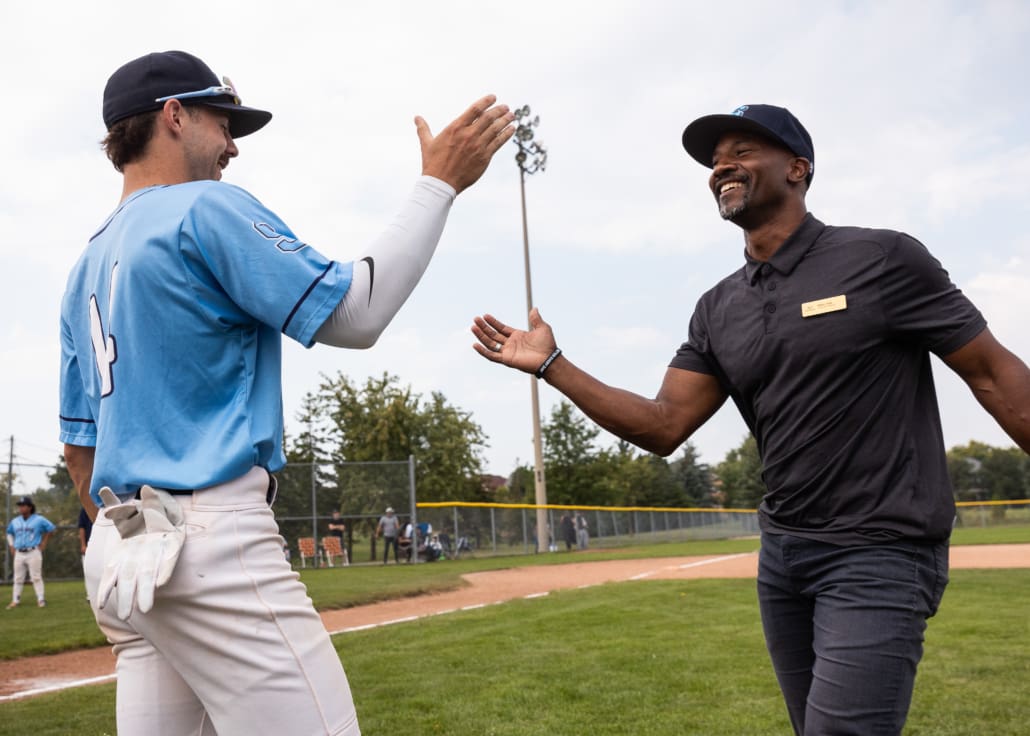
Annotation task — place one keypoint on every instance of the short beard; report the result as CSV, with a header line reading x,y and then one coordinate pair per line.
x,y
728,212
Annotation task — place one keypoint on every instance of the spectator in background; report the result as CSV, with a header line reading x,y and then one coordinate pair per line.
x,y
568,531
27,536
582,531
389,525
404,541
337,527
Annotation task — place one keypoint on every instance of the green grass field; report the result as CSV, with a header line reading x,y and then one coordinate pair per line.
x,y
648,657
70,623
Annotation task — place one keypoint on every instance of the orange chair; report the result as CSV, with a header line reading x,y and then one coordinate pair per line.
x,y
333,548
306,546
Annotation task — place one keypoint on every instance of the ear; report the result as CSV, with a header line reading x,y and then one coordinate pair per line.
x,y
172,115
799,168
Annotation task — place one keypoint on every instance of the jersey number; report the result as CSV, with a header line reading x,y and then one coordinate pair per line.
x,y
104,347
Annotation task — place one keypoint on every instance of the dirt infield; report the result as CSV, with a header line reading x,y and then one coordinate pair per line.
x,y
35,675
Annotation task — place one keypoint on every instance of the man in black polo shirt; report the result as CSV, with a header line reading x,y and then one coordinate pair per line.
x,y
823,341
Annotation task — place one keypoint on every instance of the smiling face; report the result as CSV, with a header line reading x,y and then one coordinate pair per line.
x,y
208,146
753,177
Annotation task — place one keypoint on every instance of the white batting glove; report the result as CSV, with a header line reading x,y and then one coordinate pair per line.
x,y
152,531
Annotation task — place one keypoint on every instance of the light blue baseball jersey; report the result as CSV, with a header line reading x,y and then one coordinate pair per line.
x,y
171,341
29,532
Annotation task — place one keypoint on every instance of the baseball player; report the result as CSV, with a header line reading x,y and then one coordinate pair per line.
x,y
822,339
171,407
27,536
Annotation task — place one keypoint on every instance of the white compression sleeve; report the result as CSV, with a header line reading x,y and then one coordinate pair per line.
x,y
386,275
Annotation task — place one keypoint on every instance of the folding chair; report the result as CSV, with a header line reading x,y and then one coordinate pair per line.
x,y
306,546
333,548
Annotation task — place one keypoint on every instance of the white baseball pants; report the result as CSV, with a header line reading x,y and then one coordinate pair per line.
x,y
30,562
233,645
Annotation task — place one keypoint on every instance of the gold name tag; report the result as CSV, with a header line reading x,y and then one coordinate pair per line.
x,y
822,306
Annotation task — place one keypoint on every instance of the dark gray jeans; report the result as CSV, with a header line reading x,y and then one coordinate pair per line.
x,y
844,627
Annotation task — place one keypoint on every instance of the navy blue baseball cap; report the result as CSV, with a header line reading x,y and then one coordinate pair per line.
x,y
146,83
775,123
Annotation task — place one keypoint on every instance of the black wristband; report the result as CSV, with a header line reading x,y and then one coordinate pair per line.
x,y
547,363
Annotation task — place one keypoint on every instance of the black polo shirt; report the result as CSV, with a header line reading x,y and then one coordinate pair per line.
x,y
825,350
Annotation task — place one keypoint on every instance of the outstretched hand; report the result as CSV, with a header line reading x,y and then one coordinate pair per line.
x,y
500,343
460,153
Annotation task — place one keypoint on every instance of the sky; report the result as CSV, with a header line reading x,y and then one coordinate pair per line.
x,y
917,112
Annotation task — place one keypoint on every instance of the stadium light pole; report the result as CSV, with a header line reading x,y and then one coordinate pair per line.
x,y
531,158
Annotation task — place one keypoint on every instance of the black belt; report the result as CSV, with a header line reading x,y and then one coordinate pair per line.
x,y
172,491
273,490
27,549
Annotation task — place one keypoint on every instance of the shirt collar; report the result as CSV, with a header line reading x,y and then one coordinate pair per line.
x,y
789,255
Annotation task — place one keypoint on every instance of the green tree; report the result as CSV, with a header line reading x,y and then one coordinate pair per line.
x,y
655,482
521,487
980,472
449,444
382,421
694,477
740,475
309,467
59,502
1007,472
628,477
570,456
580,473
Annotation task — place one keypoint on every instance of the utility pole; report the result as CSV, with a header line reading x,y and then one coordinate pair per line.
x,y
10,490
531,158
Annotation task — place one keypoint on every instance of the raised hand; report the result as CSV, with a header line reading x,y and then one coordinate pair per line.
x,y
519,349
460,153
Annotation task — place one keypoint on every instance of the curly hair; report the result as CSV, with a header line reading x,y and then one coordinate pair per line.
x,y
127,139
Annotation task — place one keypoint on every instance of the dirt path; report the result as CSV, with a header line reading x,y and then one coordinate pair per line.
x,y
35,675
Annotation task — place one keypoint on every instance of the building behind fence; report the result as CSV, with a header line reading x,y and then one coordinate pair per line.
x,y
361,492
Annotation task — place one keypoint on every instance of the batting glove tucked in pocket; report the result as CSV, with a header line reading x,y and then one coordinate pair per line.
x,y
152,532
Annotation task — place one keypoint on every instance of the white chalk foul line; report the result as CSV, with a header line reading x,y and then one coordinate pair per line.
x,y
712,561
688,565
56,688
406,619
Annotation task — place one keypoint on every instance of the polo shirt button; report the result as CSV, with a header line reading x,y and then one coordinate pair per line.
x,y
770,308
772,286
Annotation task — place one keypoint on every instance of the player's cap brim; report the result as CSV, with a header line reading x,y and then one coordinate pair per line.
x,y
242,120
702,136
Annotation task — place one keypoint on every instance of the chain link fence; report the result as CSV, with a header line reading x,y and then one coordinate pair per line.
x,y
361,492
510,529
309,493
992,513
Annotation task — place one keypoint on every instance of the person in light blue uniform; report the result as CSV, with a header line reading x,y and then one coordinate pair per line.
x,y
27,536
183,295
171,400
